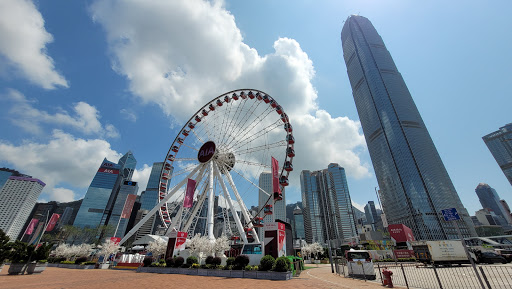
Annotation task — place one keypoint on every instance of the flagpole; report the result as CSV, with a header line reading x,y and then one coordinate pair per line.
x,y
35,248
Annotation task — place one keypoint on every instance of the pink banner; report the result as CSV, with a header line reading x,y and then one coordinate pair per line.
x,y
189,196
31,227
275,177
52,222
128,206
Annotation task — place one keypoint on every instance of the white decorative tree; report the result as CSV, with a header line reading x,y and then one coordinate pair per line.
x,y
106,249
157,248
220,246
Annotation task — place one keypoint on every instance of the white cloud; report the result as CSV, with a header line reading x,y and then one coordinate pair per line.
x,y
86,117
128,114
62,195
181,54
141,176
24,40
63,160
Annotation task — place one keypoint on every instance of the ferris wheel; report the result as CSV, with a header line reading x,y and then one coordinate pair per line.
x,y
224,148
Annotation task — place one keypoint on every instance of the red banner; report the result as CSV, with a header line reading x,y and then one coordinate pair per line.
x,y
115,240
189,196
31,227
128,206
52,222
275,177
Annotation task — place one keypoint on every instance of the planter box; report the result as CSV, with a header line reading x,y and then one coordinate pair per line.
x,y
35,268
75,266
237,273
187,271
219,273
202,272
251,274
53,265
17,268
271,275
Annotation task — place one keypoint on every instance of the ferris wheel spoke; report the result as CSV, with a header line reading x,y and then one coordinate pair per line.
x,y
185,159
241,124
253,164
251,137
248,129
198,137
237,113
227,119
190,147
261,148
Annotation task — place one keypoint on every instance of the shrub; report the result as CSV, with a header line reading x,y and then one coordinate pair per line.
x,y
67,262
185,265
178,261
240,262
80,260
209,260
89,263
282,264
228,267
195,266
248,268
220,267
267,263
230,261
192,260
147,261
169,262
217,261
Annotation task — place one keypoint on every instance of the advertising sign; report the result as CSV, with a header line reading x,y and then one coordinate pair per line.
x,y
176,242
275,177
450,214
31,227
180,241
52,222
128,206
400,233
275,239
108,171
404,253
206,152
189,196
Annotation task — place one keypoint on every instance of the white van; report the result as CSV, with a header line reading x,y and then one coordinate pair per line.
x,y
360,264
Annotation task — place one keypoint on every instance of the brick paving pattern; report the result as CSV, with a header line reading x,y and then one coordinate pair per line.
x,y
52,277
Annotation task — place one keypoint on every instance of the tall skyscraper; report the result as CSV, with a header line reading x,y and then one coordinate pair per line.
x,y
97,196
150,198
298,223
127,188
5,173
18,197
265,182
500,145
328,213
414,183
490,200
372,216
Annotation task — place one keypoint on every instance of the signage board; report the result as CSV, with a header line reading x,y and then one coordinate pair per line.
x,y
450,214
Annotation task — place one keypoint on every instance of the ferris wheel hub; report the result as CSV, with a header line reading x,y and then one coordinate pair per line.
x,y
226,160
206,152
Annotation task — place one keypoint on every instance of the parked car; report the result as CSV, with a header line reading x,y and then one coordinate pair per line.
x,y
490,258
507,254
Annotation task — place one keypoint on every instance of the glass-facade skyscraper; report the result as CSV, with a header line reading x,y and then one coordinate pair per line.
x,y
97,196
327,207
500,145
490,200
414,183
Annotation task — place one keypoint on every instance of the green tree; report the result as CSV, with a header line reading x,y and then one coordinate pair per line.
x,y
5,248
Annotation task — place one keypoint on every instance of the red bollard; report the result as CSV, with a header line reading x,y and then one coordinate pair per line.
x,y
387,277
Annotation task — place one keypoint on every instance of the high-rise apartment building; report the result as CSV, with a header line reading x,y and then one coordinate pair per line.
x,y
17,199
491,201
327,207
414,183
97,196
500,145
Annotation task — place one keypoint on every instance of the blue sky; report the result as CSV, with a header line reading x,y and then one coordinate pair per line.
x,y
84,80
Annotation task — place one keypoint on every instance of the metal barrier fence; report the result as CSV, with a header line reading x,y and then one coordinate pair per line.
x,y
416,275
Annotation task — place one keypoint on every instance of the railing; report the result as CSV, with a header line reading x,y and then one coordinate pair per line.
x,y
417,275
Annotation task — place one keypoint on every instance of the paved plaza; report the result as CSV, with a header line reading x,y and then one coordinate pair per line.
x,y
52,277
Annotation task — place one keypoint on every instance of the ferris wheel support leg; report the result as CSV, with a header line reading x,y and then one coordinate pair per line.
x,y
196,208
211,204
243,208
230,204
162,202
176,222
